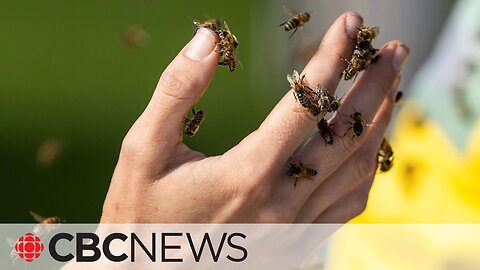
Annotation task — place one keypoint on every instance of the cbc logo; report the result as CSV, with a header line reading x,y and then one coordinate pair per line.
x,y
29,247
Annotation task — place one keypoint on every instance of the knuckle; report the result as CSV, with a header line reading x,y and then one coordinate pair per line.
x,y
361,202
129,146
365,167
360,207
349,144
177,84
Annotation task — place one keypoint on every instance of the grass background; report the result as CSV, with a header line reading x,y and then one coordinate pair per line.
x,y
66,74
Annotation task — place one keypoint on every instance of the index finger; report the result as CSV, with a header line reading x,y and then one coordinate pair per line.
x,y
284,130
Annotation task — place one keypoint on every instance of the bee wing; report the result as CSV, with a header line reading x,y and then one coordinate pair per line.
x,y
290,11
226,26
203,118
37,217
239,63
290,80
296,75
375,30
11,242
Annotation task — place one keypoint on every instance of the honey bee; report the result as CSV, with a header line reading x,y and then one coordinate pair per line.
x,y
364,52
366,49
212,24
326,102
303,93
298,20
367,34
385,156
356,124
192,125
227,48
300,171
135,36
46,224
325,131
355,65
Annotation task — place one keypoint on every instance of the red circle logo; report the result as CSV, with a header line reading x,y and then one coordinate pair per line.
x,y
29,247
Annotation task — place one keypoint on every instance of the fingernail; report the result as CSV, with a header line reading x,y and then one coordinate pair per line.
x,y
354,21
400,55
395,87
201,45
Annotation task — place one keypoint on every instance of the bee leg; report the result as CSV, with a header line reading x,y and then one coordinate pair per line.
x,y
347,130
223,63
296,28
295,184
345,60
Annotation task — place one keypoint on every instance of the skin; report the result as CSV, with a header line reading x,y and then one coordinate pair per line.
x,y
158,179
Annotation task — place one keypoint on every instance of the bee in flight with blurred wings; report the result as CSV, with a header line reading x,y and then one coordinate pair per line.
x,y
298,20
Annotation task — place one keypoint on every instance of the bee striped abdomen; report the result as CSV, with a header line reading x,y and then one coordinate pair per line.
x,y
291,24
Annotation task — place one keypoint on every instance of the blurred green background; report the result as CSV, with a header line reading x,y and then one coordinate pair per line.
x,y
75,75
71,87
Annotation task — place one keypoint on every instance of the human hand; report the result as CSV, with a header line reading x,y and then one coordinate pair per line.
x,y
158,179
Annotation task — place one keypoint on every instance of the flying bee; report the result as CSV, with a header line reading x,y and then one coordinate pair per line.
x,y
355,65
227,48
367,34
46,224
325,131
212,24
298,20
385,156
302,93
192,125
300,171
356,124
326,102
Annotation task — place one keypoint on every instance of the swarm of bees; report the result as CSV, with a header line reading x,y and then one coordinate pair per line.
x,y
315,102
363,54
385,156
